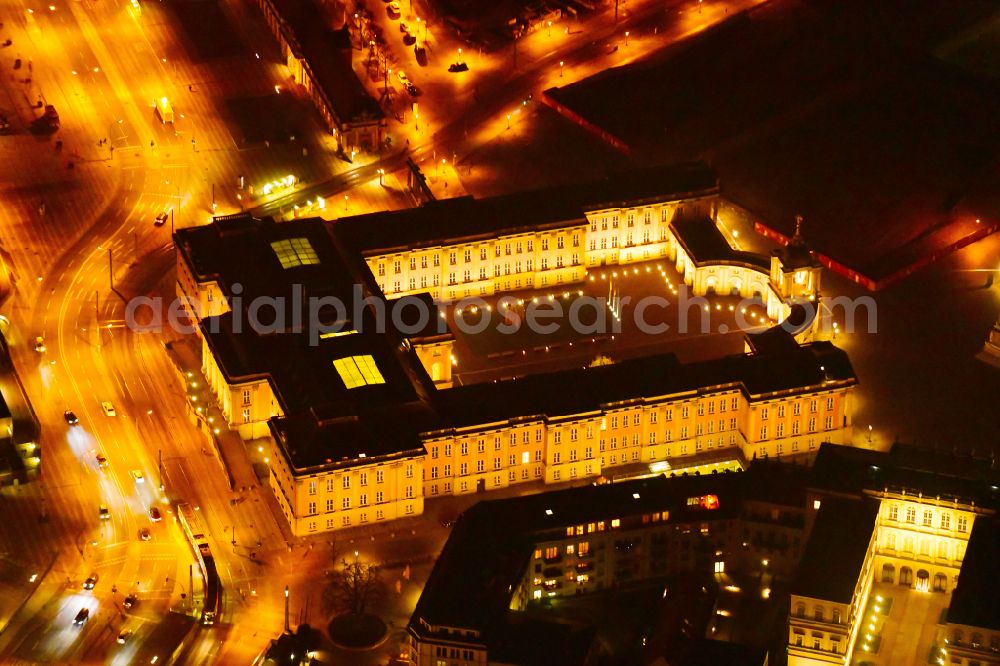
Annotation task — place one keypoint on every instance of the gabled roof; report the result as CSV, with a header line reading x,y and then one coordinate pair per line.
x,y
836,550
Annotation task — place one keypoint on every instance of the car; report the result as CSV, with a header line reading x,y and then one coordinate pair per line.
x,y
39,344
123,636
109,409
409,38
403,78
161,219
82,616
404,27
144,534
102,462
393,9
137,475
130,600
412,90
90,582
71,418
4,123
420,53
154,514
103,512
17,63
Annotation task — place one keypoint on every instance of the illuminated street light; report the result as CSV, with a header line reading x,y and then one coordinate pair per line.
x,y
508,121
626,38
381,173
561,63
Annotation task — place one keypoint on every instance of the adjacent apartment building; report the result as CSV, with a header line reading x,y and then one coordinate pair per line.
x,y
357,408
819,533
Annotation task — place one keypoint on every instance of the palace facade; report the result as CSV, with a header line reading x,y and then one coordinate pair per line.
x,y
360,421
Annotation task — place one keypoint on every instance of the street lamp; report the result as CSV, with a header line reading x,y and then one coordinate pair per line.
x,y
626,38
550,28
508,121
381,172
561,63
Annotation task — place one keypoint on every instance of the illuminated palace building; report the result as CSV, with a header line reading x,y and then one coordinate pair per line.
x,y
864,558
362,423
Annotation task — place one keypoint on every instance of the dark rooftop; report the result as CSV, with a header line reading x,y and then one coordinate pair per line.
x,y
704,243
845,469
470,585
976,599
651,376
328,54
299,361
836,549
529,641
554,207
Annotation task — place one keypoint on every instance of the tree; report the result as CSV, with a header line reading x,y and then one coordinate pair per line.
x,y
354,587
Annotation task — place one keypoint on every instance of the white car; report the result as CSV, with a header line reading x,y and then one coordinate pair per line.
x,y
137,475
403,78
109,409
394,9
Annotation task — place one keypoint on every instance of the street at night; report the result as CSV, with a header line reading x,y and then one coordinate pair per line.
x,y
450,333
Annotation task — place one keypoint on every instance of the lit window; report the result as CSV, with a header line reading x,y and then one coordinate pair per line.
x,y
293,252
358,371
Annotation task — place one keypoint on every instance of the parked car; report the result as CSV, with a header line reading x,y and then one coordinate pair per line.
x,y
70,418
154,514
137,475
123,636
130,600
394,10
109,409
90,582
103,512
403,78
82,616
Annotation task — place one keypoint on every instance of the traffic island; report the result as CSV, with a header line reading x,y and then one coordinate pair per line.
x,y
352,631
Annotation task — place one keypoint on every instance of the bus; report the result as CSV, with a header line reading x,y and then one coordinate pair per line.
x,y
190,521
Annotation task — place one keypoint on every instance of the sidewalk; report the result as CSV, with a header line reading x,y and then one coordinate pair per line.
x,y
186,358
